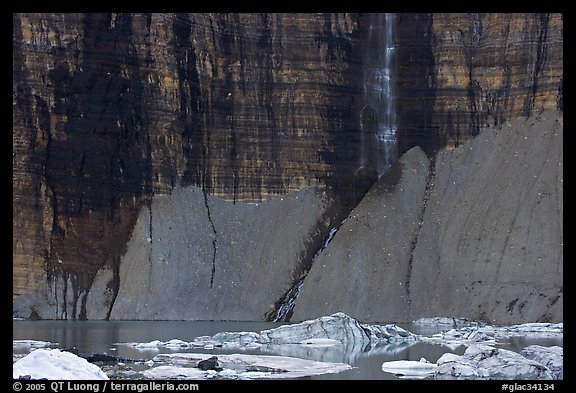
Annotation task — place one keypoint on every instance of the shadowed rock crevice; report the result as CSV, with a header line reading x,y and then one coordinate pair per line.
x,y
214,237
317,239
414,242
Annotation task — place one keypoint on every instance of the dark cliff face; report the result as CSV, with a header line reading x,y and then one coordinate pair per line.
x,y
459,73
113,109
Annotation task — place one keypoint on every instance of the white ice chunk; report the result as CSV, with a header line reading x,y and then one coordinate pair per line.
x,y
481,361
56,364
551,357
320,342
32,343
410,368
240,366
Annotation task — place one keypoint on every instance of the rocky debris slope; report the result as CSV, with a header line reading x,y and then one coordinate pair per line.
x,y
232,259
366,268
477,233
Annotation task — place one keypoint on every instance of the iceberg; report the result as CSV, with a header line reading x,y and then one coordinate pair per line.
x,y
447,322
55,364
335,329
333,338
481,361
472,332
551,357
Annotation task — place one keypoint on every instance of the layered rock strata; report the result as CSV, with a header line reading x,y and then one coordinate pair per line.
x,y
459,73
112,110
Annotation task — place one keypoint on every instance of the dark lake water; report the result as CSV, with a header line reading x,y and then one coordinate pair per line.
x,y
105,336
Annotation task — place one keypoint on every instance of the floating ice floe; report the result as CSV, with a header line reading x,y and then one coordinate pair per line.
x,y
333,338
320,342
535,329
455,338
55,364
239,366
410,368
551,357
333,330
481,361
489,334
33,344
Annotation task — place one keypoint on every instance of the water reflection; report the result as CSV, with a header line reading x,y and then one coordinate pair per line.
x,y
104,336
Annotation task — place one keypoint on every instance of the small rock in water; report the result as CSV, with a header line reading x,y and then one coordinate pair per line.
x,y
209,364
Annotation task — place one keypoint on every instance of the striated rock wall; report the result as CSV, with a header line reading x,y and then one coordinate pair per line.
x,y
459,73
113,110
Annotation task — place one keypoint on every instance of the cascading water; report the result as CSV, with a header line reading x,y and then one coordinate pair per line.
x,y
378,125
378,143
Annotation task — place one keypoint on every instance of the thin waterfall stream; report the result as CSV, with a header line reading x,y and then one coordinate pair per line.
x,y
378,126
378,120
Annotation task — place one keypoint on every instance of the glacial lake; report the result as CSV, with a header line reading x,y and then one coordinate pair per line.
x,y
105,336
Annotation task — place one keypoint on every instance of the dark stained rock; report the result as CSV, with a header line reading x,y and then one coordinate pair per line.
x,y
209,364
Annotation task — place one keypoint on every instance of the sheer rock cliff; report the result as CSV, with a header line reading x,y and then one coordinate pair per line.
x,y
116,116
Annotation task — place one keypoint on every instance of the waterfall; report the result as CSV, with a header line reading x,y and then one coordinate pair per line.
x,y
378,143
378,124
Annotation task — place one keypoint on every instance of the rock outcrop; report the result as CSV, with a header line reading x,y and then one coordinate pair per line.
x,y
482,237
365,270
